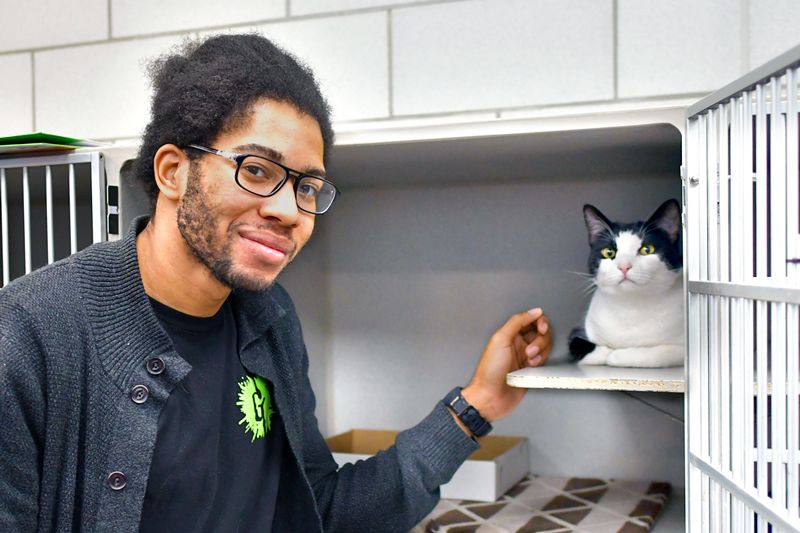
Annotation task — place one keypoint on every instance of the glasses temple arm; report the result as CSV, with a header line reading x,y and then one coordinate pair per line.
x,y
223,153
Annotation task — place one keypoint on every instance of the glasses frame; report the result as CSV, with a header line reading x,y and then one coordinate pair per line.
x,y
287,171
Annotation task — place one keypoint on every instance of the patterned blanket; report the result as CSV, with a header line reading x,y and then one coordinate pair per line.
x,y
555,505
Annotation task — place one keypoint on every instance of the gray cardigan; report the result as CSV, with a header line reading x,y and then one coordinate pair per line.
x,y
75,338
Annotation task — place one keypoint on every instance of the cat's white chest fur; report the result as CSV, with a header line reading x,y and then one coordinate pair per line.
x,y
626,321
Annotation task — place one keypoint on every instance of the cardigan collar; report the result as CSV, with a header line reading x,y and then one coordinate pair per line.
x,y
125,330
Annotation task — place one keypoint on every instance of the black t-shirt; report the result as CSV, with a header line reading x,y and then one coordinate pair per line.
x,y
217,458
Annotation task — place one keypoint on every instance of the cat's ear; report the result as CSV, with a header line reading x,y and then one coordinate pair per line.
x,y
668,218
596,223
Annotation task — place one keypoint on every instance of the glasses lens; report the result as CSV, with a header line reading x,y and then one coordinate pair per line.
x,y
314,194
259,175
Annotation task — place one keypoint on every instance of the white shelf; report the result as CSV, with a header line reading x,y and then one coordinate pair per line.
x,y
572,376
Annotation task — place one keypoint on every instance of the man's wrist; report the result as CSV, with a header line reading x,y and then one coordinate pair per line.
x,y
469,418
461,424
480,400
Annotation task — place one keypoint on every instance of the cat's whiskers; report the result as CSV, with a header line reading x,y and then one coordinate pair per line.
x,y
589,280
589,289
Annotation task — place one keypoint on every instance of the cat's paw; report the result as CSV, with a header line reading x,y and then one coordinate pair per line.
x,y
598,356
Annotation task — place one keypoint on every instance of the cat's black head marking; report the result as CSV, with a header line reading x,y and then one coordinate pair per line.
x,y
662,230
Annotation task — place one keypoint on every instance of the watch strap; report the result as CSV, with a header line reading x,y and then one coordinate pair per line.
x,y
470,416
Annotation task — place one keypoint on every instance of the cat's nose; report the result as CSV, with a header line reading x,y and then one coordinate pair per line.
x,y
624,268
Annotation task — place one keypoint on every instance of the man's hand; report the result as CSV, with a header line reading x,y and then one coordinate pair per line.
x,y
524,340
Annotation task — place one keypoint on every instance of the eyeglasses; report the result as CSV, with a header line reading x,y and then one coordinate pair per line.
x,y
265,177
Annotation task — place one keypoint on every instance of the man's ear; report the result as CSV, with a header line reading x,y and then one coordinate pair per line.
x,y
170,166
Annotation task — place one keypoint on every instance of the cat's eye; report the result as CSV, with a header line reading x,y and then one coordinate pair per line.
x,y
608,253
647,249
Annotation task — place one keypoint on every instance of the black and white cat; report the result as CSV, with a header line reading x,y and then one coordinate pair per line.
x,y
636,315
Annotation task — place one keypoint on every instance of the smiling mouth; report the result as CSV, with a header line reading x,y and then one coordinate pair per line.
x,y
269,248
271,241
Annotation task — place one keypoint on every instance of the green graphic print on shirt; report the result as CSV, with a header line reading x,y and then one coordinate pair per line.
x,y
254,403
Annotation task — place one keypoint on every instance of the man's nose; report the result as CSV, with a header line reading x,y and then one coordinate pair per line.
x,y
282,205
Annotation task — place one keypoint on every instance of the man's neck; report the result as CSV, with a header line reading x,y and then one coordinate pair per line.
x,y
172,275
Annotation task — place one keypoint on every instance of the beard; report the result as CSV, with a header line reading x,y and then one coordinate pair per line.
x,y
198,223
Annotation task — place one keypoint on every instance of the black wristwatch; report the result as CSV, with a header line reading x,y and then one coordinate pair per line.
x,y
470,416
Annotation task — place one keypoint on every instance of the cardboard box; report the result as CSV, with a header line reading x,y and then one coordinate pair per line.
x,y
486,475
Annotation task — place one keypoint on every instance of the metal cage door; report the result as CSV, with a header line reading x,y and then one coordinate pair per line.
x,y
51,206
742,230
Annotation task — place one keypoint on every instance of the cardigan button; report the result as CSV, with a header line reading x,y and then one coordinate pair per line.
x,y
155,366
117,480
139,394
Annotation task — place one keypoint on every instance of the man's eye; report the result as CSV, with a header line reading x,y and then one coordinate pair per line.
x,y
255,170
308,189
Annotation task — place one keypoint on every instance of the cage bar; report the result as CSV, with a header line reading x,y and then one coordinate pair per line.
x,y
73,212
723,310
777,184
4,223
762,258
792,354
738,439
712,326
26,206
48,177
793,319
748,310
98,199
762,427
706,398
694,477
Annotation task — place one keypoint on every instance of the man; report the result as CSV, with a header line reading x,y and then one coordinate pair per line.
x,y
160,383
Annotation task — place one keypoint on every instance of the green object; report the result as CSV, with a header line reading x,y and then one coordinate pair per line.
x,y
41,142
47,139
255,405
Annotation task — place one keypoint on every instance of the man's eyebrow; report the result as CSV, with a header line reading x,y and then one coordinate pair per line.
x,y
270,153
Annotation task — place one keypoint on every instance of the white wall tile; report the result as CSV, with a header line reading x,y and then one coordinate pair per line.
x,y
348,54
136,17
773,29
495,54
39,23
677,46
304,7
16,107
96,91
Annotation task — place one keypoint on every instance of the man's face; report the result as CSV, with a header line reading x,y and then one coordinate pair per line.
x,y
246,240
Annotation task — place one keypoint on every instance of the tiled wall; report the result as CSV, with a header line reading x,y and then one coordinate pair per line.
x,y
77,68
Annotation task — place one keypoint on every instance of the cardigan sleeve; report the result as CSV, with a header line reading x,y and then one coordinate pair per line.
x,y
22,410
393,490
